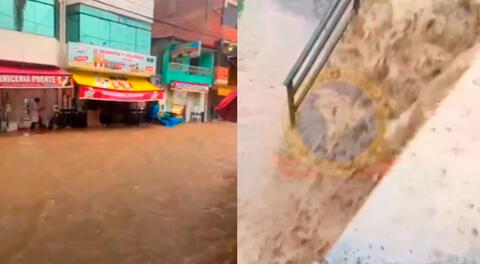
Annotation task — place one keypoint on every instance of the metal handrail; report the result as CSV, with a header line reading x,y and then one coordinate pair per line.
x,y
316,34
312,51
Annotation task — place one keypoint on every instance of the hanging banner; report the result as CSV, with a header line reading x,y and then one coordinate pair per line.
x,y
34,81
92,93
192,50
189,87
93,58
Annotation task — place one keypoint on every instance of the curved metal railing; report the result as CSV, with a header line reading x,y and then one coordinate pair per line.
x,y
317,51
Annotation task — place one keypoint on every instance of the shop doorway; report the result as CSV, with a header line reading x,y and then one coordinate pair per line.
x,y
16,108
114,113
111,113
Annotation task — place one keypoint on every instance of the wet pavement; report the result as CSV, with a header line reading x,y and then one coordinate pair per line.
x,y
132,195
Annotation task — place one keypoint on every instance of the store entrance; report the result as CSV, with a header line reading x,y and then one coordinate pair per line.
x,y
114,113
111,113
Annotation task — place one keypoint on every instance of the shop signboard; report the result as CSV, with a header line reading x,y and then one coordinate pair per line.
x,y
34,81
93,93
189,87
99,59
113,83
224,90
192,50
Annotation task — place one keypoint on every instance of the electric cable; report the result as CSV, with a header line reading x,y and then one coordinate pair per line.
x,y
158,20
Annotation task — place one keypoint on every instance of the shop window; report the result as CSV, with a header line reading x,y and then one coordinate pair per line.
x,y
195,61
39,17
103,28
73,26
7,14
122,37
143,41
94,31
207,60
230,16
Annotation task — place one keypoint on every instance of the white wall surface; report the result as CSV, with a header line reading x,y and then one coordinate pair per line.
x,y
427,209
25,47
130,7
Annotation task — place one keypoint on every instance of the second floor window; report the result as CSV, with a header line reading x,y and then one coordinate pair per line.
x,y
39,17
30,16
195,62
102,28
7,14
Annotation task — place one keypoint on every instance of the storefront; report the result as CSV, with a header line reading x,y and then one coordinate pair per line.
x,y
188,100
226,76
187,70
227,108
21,83
112,86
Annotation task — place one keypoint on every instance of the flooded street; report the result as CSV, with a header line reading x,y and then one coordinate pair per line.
x,y
310,201
306,211
132,195
265,59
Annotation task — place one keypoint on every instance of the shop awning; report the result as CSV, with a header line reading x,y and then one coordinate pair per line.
x,y
227,108
115,88
17,75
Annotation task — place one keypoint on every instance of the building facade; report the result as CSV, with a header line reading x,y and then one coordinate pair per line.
x,y
30,62
109,56
95,57
205,74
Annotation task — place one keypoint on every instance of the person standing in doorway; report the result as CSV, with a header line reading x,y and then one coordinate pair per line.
x,y
35,114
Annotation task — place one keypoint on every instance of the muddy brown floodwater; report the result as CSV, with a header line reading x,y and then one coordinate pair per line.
x,y
132,195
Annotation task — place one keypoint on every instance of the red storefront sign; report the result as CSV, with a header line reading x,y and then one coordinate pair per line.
x,y
221,74
34,81
86,92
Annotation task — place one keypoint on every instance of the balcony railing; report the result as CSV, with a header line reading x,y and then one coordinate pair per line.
x,y
188,69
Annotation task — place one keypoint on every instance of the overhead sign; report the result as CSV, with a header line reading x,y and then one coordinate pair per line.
x,y
225,90
34,81
99,59
192,50
189,87
92,93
